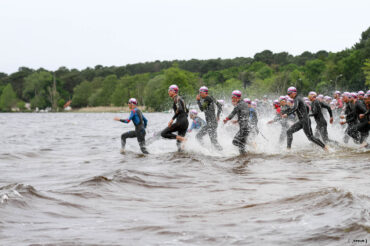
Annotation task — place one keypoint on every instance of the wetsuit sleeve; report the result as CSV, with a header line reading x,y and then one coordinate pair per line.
x,y
233,113
130,118
361,108
325,105
219,108
294,109
145,121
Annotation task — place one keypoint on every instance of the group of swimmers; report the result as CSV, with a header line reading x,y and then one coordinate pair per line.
x,y
291,111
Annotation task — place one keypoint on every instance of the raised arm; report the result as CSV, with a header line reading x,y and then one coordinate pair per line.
x,y
130,118
233,113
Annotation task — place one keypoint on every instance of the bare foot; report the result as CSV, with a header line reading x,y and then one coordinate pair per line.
x,y
326,148
181,139
364,145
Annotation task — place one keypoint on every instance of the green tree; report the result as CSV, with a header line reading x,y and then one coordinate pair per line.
x,y
351,68
366,69
81,94
154,94
8,98
265,56
187,82
17,80
21,105
109,86
36,84
61,103
313,70
39,101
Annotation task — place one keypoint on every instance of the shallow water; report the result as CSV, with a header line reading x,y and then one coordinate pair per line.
x,y
64,182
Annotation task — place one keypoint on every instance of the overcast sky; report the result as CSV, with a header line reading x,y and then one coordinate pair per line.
x,y
79,33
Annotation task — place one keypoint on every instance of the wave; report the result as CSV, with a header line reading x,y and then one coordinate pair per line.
x,y
325,198
134,177
9,156
21,195
348,232
16,193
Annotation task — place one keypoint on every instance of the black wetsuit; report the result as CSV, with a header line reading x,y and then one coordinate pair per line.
x,y
351,120
208,107
140,124
242,111
303,122
181,124
321,124
361,128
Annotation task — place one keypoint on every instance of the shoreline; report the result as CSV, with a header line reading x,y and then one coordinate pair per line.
x,y
99,109
105,109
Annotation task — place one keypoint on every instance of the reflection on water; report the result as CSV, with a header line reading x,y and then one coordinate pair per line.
x,y
63,181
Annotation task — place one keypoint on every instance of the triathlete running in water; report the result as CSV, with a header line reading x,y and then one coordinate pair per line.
x,y
181,116
140,123
321,124
242,111
303,120
207,105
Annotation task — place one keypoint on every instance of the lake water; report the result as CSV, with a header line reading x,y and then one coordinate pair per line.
x,y
63,181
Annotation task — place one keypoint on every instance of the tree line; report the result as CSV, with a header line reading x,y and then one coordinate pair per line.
x,y
265,73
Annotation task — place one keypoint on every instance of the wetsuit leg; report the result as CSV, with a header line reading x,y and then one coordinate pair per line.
x,y
202,132
141,139
308,131
294,128
353,132
182,130
363,136
317,130
322,127
346,133
124,136
168,131
240,140
284,128
212,132
180,126
360,131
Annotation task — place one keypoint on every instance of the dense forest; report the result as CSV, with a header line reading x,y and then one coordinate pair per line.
x,y
265,73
